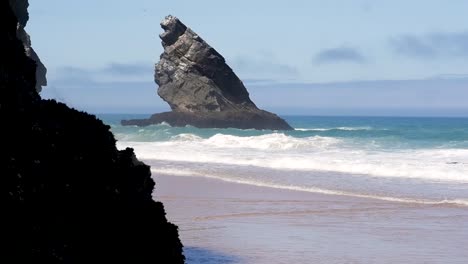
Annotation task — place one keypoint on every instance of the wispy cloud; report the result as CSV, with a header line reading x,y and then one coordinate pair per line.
x,y
430,46
338,55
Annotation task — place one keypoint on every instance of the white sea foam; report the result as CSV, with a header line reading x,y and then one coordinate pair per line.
x,y
326,154
186,138
335,128
275,141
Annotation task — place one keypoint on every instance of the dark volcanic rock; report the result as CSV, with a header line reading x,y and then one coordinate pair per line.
x,y
67,194
201,89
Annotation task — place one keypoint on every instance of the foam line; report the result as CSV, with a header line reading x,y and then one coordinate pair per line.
x,y
457,202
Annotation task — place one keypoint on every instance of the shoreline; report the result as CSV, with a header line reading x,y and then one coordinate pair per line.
x,y
321,191
226,222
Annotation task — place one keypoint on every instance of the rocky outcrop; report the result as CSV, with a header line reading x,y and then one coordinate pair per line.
x,y
68,195
41,70
19,8
201,89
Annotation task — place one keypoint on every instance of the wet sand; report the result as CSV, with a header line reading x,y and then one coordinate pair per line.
x,y
223,222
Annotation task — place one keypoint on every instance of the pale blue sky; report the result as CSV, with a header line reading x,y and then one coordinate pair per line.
x,y
307,57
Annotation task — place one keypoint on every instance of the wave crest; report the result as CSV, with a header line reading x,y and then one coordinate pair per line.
x,y
365,128
275,141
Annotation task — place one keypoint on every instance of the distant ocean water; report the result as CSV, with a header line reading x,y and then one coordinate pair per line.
x,y
407,160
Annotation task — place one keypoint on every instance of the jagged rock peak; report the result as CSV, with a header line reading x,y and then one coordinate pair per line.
x,y
192,76
173,29
199,86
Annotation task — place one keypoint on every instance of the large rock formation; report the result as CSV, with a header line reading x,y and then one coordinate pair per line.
x,y
67,194
201,89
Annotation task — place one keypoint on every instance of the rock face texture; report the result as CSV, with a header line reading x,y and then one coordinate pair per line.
x,y
20,8
201,89
67,194
41,70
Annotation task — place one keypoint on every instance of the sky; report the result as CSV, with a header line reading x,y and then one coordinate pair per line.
x,y
335,57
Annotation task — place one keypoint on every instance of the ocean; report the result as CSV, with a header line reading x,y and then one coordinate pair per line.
x,y
396,159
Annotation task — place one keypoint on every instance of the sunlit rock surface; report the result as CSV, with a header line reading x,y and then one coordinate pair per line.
x,y
201,89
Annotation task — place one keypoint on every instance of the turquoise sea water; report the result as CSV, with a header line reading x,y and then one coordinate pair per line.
x,y
408,160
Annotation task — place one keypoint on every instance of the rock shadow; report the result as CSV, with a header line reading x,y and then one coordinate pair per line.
x,y
196,255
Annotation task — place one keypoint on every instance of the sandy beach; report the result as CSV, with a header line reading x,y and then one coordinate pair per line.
x,y
223,222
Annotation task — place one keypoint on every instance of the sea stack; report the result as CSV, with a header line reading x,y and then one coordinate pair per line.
x,y
201,89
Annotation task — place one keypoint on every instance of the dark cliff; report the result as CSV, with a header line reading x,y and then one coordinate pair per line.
x,y
67,194
201,89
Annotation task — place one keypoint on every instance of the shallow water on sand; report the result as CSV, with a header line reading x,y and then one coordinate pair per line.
x,y
231,223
